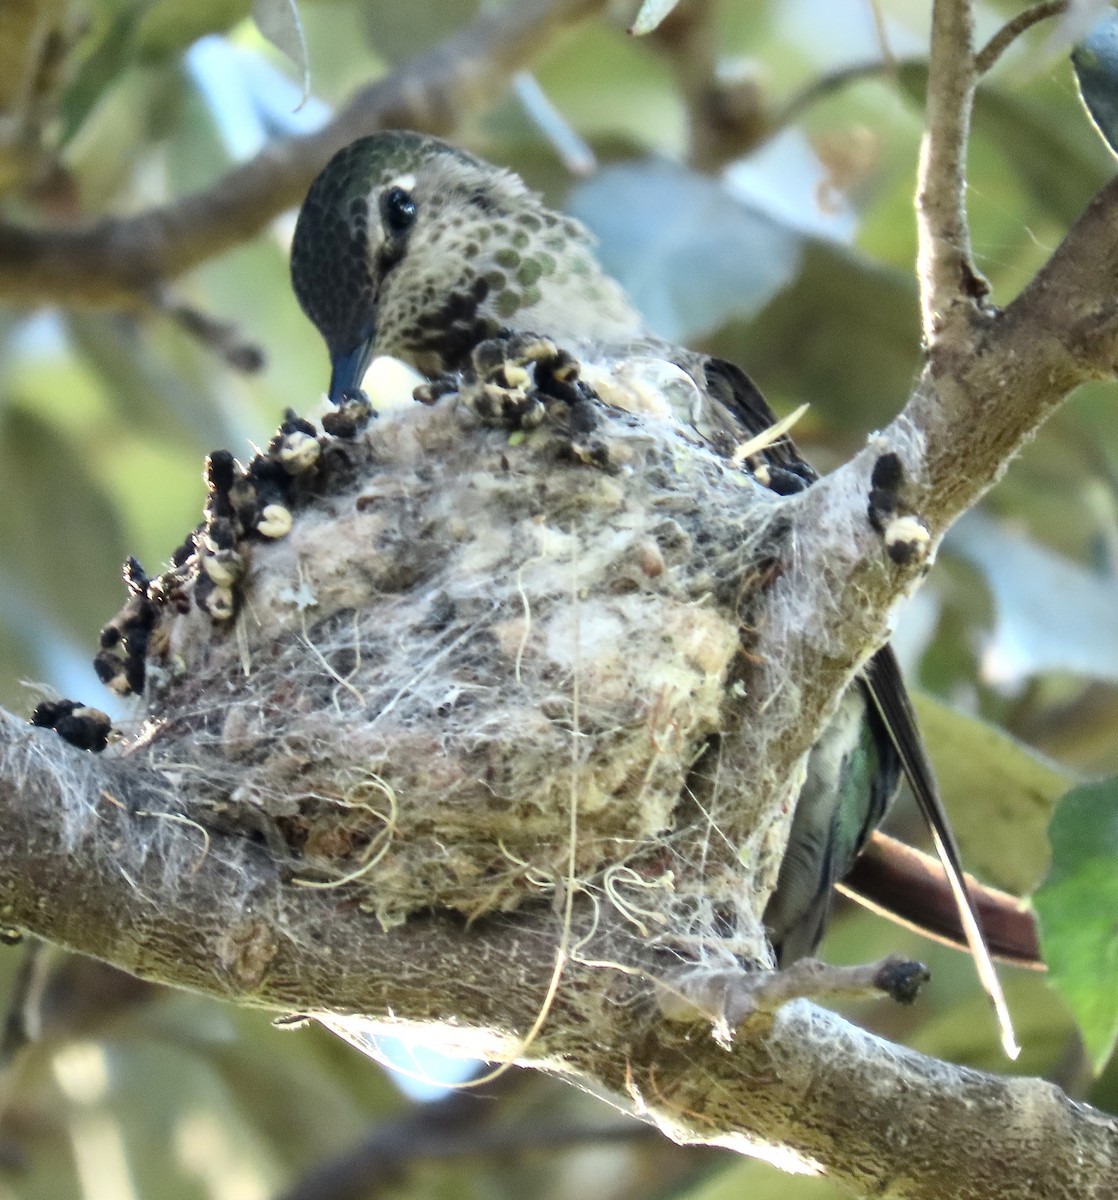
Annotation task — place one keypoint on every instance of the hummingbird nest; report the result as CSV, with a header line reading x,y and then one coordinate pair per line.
x,y
433,663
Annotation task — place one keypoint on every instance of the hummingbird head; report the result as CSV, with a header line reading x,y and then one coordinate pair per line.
x,y
409,247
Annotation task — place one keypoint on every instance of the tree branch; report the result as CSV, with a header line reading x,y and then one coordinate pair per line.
x,y
117,261
985,59
947,275
802,1088
726,117
989,385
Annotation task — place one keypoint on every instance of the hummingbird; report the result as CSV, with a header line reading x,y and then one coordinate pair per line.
x,y
409,247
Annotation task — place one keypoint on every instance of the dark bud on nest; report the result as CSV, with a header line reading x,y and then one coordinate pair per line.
x,y
785,481
353,413
267,482
111,671
907,539
85,728
299,453
225,567
220,534
184,551
902,980
294,423
135,577
48,713
220,602
433,392
124,640
515,379
886,481
221,471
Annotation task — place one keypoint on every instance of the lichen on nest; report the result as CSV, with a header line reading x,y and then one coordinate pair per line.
x,y
462,635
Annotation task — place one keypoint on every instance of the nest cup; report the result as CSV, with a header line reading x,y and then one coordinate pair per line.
x,y
479,671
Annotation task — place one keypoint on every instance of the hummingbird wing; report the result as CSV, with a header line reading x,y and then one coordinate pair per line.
x,y
851,777
737,393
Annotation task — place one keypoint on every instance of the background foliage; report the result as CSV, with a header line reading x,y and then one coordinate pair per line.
x,y
795,260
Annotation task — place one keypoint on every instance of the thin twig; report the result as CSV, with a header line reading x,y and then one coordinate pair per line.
x,y
909,881
22,1018
947,275
826,85
220,337
458,1125
1012,30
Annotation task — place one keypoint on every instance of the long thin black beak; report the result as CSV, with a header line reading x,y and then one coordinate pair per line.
x,y
347,369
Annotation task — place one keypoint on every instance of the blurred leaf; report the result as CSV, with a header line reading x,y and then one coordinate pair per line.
x,y
101,68
151,396
1000,794
650,16
809,343
1056,156
688,253
16,653
754,1180
113,143
279,22
1078,910
1043,603
632,98
397,31
169,26
59,533
1096,69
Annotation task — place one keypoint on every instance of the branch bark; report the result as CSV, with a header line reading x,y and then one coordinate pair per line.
x,y
802,1087
948,278
118,261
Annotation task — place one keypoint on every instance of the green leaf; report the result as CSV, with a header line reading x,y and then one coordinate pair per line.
x,y
102,68
999,793
60,534
279,22
1078,911
807,342
169,26
1058,160
398,31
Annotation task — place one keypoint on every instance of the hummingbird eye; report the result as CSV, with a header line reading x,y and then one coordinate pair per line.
x,y
397,211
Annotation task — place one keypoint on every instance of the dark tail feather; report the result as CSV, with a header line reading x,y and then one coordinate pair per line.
x,y
883,677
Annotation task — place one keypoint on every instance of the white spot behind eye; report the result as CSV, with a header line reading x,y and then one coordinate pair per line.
x,y
407,182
